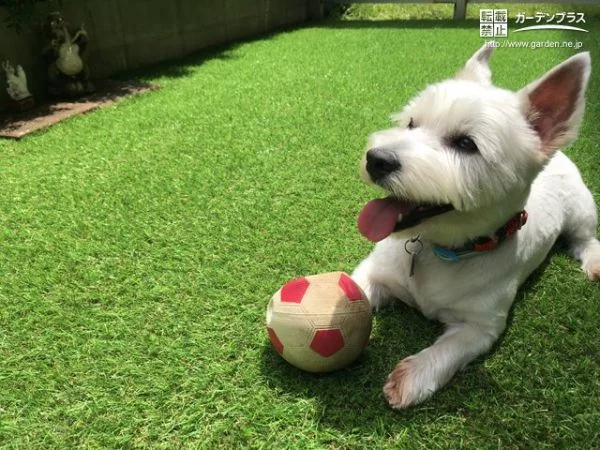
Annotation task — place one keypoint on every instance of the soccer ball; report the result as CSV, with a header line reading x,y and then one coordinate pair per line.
x,y
319,323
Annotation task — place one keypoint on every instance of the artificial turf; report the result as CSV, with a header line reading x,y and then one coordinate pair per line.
x,y
140,244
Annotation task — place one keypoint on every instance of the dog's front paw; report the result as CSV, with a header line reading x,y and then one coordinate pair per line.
x,y
377,295
406,385
397,390
377,299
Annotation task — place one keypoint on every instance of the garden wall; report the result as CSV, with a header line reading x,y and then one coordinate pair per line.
x,y
126,34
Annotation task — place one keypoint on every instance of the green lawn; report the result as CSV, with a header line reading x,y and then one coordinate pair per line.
x,y
140,244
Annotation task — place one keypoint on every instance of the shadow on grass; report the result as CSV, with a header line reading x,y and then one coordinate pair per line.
x,y
182,67
186,65
351,399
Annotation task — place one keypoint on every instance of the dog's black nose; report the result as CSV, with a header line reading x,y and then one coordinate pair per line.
x,y
381,162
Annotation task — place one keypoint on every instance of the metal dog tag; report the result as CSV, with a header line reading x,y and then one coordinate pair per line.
x,y
413,247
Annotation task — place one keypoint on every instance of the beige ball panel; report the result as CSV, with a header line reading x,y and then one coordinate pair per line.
x,y
292,333
346,307
286,308
324,296
357,329
308,360
270,312
329,277
325,320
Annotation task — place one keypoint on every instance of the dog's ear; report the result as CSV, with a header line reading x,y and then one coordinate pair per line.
x,y
477,68
554,103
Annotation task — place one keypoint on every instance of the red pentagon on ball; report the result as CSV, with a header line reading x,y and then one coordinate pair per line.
x,y
327,342
350,288
277,344
293,291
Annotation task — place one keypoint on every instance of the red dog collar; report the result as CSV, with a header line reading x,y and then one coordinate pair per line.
x,y
485,243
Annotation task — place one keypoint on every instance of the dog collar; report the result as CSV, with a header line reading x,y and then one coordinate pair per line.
x,y
484,243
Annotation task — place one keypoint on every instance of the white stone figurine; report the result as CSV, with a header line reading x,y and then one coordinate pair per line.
x,y
69,62
16,81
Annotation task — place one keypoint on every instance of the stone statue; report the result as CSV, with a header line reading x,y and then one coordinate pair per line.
x,y
68,74
16,82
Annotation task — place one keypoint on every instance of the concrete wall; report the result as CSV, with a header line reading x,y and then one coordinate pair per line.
x,y
126,34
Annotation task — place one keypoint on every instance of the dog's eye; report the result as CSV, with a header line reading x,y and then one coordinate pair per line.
x,y
464,144
411,124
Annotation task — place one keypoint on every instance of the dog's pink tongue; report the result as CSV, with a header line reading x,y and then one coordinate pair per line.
x,y
378,218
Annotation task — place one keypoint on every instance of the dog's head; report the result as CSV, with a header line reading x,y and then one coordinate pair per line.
x,y
462,155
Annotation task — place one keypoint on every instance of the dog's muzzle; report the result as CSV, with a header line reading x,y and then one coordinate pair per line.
x,y
380,163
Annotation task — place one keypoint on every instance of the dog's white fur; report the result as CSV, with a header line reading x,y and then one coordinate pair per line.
x,y
518,167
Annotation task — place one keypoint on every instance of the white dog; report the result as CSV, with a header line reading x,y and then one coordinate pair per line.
x,y
477,194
